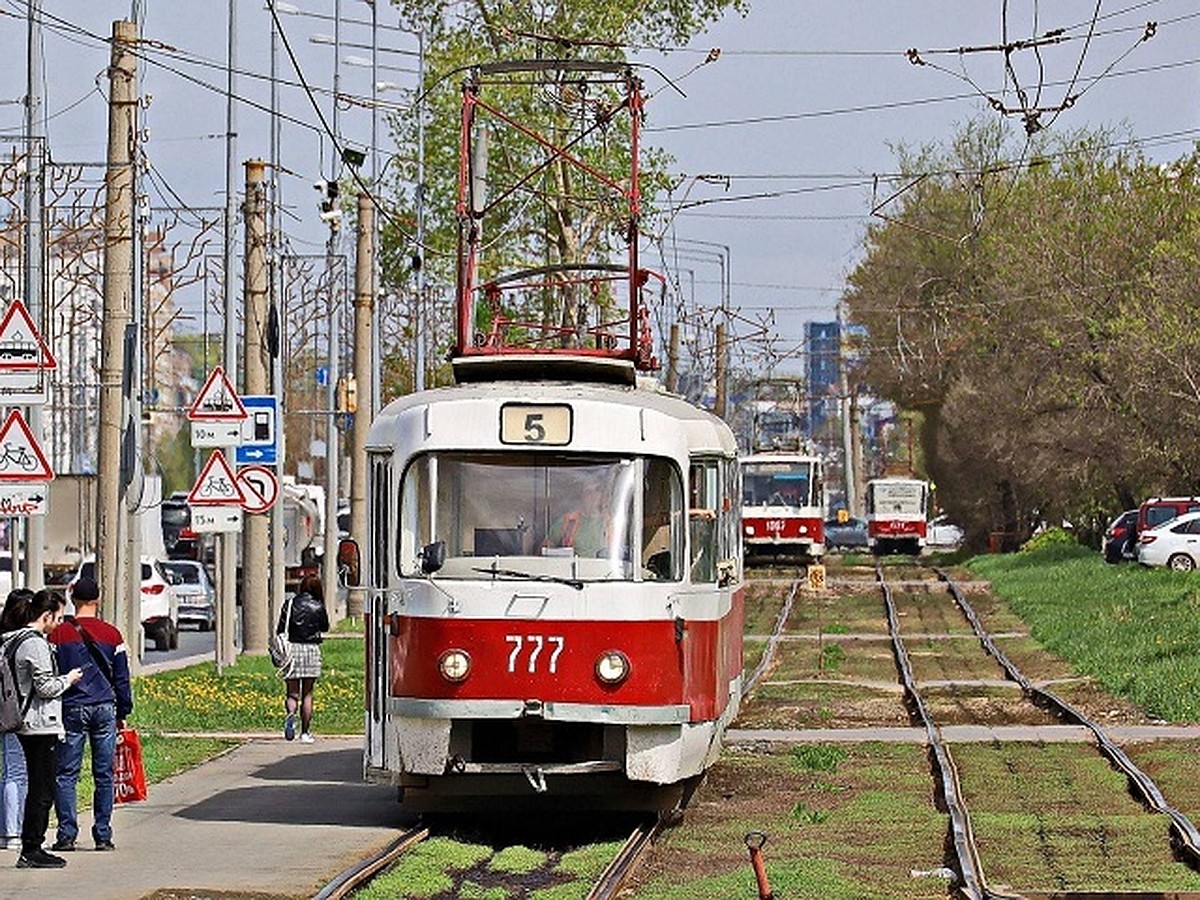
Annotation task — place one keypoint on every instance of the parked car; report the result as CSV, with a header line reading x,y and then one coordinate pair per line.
x,y
160,605
1175,544
941,532
1120,538
196,592
845,535
1157,510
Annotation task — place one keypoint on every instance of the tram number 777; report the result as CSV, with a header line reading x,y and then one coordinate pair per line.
x,y
537,643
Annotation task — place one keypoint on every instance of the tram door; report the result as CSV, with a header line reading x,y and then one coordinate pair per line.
x,y
378,565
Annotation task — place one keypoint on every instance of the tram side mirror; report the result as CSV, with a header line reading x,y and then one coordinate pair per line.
x,y
349,562
433,557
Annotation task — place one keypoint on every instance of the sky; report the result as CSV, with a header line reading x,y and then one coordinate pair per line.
x,y
806,100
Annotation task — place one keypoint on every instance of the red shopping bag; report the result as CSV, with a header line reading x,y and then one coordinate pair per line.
x,y
129,774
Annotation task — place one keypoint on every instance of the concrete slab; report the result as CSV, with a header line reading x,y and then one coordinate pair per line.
x,y
268,819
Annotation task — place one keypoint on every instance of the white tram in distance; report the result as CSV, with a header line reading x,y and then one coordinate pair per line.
x,y
783,506
897,509
554,572
556,597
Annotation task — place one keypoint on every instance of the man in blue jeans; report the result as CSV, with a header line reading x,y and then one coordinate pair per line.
x,y
93,710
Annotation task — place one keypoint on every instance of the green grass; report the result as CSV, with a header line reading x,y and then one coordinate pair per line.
x,y
248,696
1134,630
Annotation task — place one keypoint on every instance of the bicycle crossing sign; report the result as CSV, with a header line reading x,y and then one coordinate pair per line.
x,y
21,344
217,484
21,458
217,400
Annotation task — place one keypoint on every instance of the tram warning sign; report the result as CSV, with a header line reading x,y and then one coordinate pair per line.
x,y
21,458
217,484
217,400
21,344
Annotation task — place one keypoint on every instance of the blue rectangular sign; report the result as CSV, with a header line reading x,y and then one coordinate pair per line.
x,y
260,442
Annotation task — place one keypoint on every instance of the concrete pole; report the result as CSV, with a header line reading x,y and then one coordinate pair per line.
x,y
329,579
364,364
227,544
722,353
673,360
255,562
117,314
278,574
35,254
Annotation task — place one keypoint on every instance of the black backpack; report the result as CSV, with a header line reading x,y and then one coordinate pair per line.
x,y
12,710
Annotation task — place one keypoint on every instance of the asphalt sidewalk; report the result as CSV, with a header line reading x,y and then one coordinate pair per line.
x,y
269,819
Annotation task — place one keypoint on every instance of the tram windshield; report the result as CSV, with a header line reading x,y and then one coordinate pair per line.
x,y
778,484
896,498
544,516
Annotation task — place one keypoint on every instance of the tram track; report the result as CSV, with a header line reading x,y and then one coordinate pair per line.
x,y
360,874
971,880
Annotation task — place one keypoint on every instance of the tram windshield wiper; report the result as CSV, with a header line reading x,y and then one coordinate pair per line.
x,y
529,576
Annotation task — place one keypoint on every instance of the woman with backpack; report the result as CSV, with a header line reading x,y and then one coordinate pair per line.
x,y
26,625
302,619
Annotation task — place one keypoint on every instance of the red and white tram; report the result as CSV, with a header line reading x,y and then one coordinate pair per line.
x,y
554,578
783,506
896,514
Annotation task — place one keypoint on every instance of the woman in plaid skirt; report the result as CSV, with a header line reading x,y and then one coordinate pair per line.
x,y
304,617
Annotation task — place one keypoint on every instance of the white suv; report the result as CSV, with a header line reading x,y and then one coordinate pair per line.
x,y
160,604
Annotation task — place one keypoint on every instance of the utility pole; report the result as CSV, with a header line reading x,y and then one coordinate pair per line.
x,y
673,360
364,363
227,546
255,566
35,255
849,411
419,256
722,353
278,573
116,317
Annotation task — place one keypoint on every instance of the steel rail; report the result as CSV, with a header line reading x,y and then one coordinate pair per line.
x,y
363,871
1182,828
773,640
612,879
970,870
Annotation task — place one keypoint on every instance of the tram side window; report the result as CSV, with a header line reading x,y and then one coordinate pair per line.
x,y
704,498
662,522
415,514
381,519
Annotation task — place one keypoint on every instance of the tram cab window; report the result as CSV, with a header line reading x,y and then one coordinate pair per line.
x,y
543,515
704,499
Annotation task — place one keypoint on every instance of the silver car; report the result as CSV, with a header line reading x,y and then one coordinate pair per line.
x,y
196,591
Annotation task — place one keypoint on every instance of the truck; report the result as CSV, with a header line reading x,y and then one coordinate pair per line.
x,y
71,514
303,530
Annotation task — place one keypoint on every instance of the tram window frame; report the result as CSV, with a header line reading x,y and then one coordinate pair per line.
x,y
378,555
704,501
433,486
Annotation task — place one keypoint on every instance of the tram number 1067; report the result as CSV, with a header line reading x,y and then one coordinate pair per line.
x,y
775,525
534,644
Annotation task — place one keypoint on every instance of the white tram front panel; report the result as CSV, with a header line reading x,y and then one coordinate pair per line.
x,y
896,514
527,654
783,505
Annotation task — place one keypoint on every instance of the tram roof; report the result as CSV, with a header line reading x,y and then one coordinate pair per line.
x,y
704,430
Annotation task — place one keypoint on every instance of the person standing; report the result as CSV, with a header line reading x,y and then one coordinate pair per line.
x,y
93,711
15,786
304,617
40,685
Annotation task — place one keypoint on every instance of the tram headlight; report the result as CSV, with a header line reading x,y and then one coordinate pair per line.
x,y
612,667
455,665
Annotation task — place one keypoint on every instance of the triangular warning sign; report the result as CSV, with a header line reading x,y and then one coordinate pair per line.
x,y
21,344
21,459
217,484
217,400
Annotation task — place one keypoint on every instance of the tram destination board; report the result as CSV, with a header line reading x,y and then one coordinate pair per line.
x,y
523,423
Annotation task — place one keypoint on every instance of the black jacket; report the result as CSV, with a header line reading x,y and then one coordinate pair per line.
x,y
309,619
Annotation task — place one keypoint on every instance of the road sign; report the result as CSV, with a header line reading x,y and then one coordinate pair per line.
x,y
22,387
259,440
207,519
217,485
21,344
21,459
217,400
206,435
23,499
260,488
